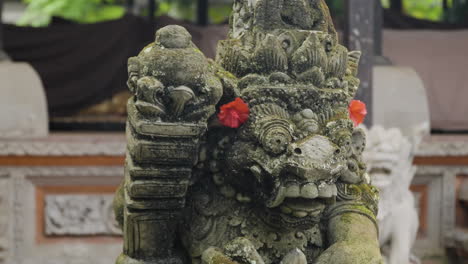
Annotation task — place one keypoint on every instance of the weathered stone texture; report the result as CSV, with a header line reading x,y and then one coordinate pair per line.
x,y
289,185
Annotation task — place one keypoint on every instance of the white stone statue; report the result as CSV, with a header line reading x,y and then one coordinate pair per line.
x,y
389,156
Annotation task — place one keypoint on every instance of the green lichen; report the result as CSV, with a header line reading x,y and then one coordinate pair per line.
x,y
284,181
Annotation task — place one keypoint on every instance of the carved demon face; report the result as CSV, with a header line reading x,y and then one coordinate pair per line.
x,y
289,160
299,144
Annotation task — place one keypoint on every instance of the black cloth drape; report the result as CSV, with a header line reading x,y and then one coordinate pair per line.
x,y
84,64
79,64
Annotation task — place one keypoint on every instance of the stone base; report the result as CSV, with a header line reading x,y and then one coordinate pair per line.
x,y
124,259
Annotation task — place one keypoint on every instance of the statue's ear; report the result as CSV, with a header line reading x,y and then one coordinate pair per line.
x,y
358,141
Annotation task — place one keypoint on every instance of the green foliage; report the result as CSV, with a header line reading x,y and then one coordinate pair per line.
x,y
219,13
386,3
40,12
421,9
424,9
186,10
433,10
180,9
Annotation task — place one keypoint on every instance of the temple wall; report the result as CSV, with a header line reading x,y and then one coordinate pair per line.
x,y
55,197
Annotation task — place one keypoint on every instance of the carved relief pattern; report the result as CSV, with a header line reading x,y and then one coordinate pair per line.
x,y
4,217
44,148
455,146
17,215
79,215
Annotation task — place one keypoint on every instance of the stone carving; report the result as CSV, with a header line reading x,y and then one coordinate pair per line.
x,y
18,211
443,146
4,217
287,186
79,215
389,156
61,147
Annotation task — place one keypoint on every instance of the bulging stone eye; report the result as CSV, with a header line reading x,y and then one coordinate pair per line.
x,y
288,42
276,137
273,128
276,144
352,165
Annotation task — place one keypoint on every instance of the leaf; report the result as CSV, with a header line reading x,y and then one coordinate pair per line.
x,y
40,12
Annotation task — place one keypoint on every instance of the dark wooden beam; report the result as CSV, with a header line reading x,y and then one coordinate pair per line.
x,y
359,35
445,5
380,58
202,12
129,4
151,10
378,27
3,55
1,26
397,5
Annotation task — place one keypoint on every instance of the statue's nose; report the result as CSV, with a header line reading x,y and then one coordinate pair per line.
x,y
315,149
312,159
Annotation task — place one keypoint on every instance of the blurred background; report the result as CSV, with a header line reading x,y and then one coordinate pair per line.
x,y
63,100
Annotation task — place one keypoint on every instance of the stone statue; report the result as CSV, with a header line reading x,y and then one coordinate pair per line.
x,y
252,158
389,156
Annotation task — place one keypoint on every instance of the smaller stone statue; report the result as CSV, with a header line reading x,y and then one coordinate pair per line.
x,y
389,156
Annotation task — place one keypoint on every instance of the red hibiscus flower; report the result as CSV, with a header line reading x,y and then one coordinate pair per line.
x,y
234,113
357,111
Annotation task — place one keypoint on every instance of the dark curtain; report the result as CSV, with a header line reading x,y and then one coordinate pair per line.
x,y
84,64
79,65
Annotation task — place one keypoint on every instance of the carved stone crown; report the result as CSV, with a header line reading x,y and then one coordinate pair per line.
x,y
270,15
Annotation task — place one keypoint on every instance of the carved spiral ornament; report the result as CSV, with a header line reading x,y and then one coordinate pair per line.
x,y
275,135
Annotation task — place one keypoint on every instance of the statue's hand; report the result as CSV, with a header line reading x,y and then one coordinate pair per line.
x,y
148,93
179,103
238,251
180,96
214,255
351,253
296,256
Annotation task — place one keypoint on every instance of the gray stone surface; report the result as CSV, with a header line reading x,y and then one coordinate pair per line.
x,y
18,218
278,176
400,100
22,102
79,215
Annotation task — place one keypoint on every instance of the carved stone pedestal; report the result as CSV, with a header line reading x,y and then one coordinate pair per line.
x,y
123,259
157,175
